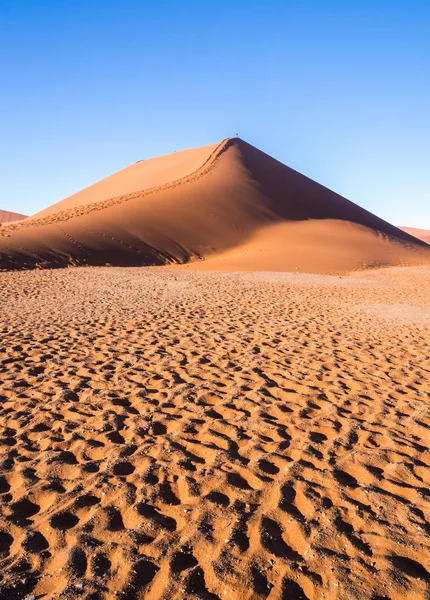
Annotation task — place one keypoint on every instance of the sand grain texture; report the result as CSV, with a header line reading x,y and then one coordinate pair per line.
x,y
168,434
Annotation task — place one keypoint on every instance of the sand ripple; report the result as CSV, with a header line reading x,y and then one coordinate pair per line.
x,y
168,434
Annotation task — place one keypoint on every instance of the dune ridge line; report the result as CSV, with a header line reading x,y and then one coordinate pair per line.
x,y
70,213
252,212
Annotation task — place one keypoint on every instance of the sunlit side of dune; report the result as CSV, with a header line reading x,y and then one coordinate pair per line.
x,y
140,176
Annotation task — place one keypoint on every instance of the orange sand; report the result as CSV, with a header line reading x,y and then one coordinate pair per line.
x,y
221,203
169,434
421,234
9,217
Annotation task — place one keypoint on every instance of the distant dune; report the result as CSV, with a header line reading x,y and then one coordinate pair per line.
x,y
225,206
421,234
7,217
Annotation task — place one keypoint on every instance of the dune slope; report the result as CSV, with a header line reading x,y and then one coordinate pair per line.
x,y
202,203
144,174
421,234
6,216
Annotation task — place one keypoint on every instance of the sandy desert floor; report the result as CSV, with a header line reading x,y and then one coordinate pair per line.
x,y
171,434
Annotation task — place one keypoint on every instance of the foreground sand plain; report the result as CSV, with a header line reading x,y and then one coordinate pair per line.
x,y
178,434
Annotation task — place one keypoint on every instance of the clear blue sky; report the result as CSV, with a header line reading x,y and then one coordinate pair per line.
x,y
339,90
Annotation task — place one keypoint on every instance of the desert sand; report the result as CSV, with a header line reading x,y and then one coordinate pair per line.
x,y
222,417
6,216
421,234
171,434
227,204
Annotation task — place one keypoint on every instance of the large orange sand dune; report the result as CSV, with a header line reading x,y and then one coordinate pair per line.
x,y
228,202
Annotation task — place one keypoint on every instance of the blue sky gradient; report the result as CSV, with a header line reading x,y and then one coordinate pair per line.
x,y
338,90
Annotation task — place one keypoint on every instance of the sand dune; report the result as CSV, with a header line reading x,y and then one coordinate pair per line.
x,y
153,172
214,203
294,246
168,435
7,217
421,234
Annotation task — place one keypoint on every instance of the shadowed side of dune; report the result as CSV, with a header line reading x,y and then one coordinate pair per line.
x,y
293,196
201,204
420,234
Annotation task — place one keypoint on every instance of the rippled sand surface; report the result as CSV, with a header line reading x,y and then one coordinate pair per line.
x,y
170,434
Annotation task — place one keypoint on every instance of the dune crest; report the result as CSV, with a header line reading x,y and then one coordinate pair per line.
x,y
150,173
200,204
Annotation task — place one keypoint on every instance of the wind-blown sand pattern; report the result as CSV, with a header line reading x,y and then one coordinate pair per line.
x,y
169,434
227,203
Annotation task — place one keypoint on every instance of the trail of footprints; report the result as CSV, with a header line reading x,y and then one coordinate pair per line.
x,y
241,450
